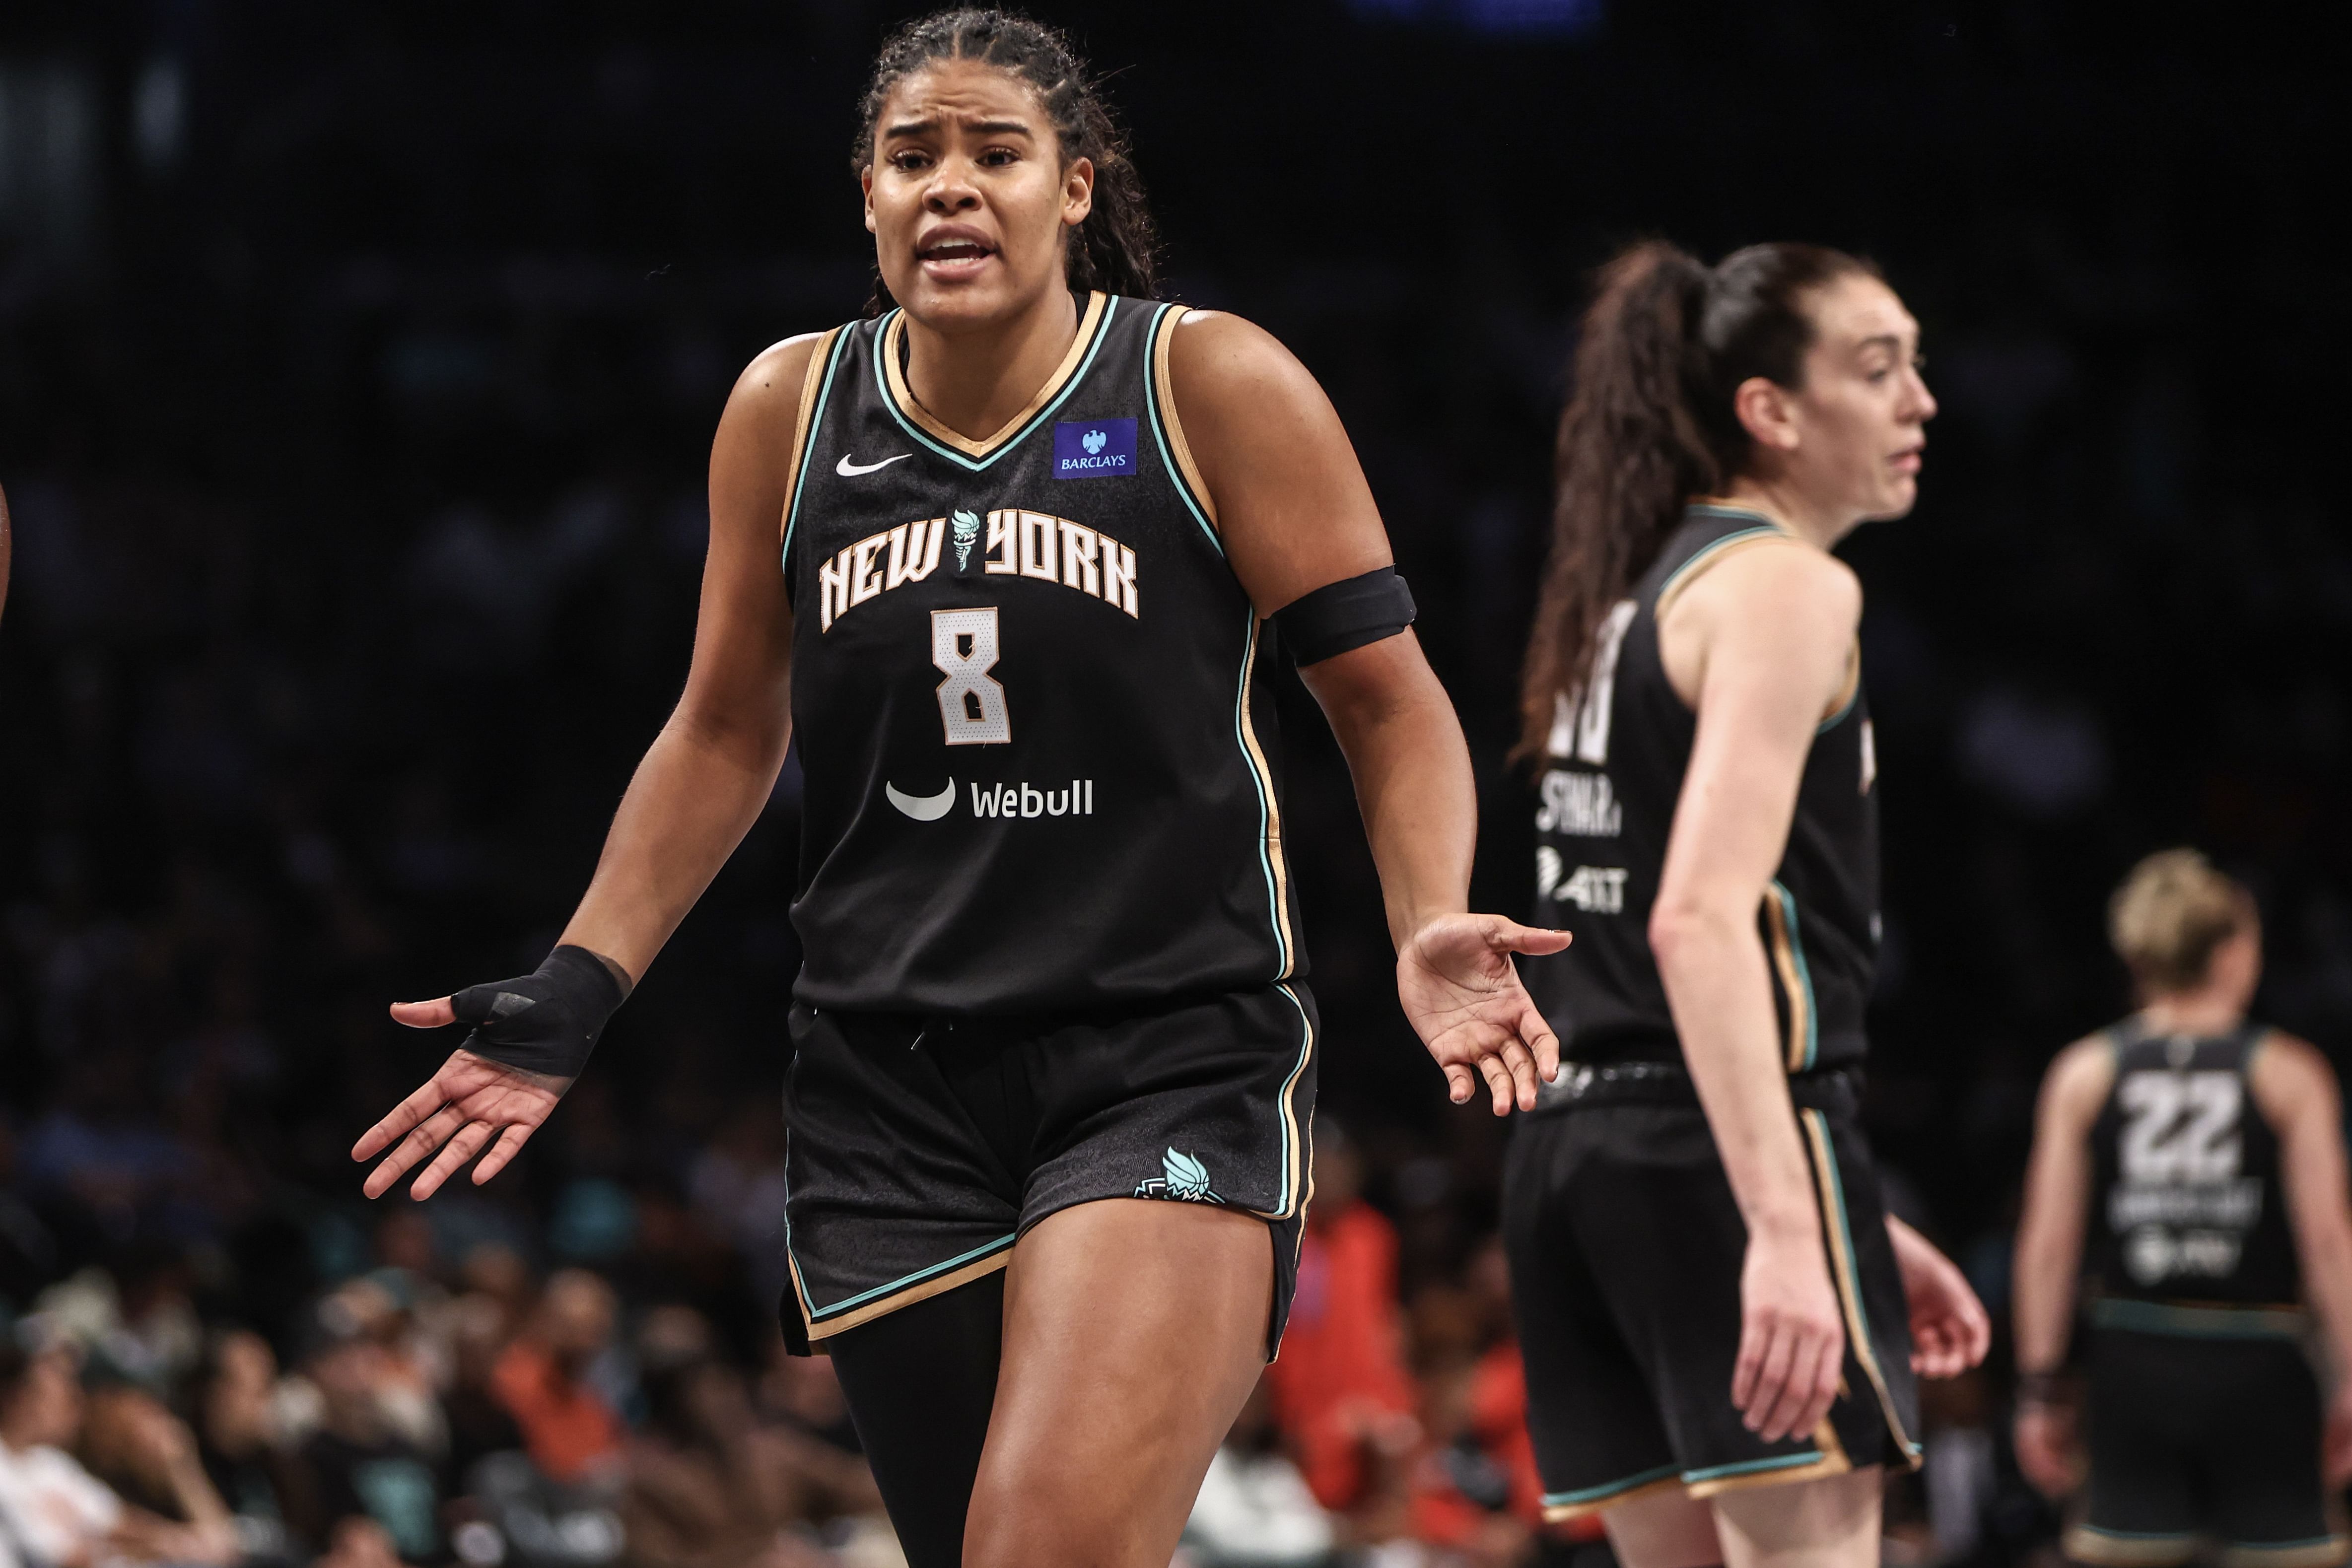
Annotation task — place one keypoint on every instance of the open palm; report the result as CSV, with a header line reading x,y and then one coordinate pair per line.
x,y
458,1111
1464,996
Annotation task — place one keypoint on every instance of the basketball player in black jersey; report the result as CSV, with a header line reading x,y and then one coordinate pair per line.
x,y
2205,1154
1002,556
1712,1301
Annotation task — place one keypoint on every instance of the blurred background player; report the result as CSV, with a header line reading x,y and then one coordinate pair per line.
x,y
1007,1033
1712,1300
2204,1152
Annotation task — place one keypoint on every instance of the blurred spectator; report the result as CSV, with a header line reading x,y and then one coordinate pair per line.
x,y
1256,1509
54,1511
1339,1388
568,1428
359,1463
707,1486
238,1440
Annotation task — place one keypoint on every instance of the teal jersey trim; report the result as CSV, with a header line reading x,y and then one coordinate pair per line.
x,y
1609,1489
1839,717
2199,1323
1159,436
1265,802
917,1277
808,449
982,465
1752,1466
2135,1534
1804,973
1716,547
1287,1201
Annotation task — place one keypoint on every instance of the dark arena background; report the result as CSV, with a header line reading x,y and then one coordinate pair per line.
x,y
358,368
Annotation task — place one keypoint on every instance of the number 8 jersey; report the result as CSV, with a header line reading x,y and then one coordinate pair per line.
x,y
2186,1203
1037,754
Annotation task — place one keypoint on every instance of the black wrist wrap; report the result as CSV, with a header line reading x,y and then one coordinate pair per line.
x,y
546,1021
1344,615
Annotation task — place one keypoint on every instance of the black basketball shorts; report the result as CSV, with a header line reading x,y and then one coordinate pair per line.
x,y
1625,1250
917,1152
2204,1433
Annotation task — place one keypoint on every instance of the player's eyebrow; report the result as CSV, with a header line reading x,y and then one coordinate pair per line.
x,y
979,128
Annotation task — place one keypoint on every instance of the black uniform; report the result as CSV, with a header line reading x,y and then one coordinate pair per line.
x,y
1625,1242
2205,1414
1051,942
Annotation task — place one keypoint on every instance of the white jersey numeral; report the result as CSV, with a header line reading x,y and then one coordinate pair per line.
x,y
972,701
1579,725
2182,1127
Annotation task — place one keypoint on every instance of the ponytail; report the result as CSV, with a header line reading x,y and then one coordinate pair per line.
x,y
1116,247
1650,425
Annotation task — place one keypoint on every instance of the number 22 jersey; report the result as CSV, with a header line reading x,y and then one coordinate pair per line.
x,y
1037,751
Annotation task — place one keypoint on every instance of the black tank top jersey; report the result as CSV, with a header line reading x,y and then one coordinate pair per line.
x,y
1036,750
2185,1196
1614,772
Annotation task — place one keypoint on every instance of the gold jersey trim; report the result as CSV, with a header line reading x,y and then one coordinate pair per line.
x,y
894,336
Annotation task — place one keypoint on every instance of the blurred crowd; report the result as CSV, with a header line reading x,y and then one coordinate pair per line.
x,y
358,366
432,1398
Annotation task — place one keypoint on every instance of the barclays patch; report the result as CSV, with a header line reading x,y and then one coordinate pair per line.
x,y
1094,449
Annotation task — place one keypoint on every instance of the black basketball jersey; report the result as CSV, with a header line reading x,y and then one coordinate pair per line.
x,y
2185,1196
1038,758
1613,771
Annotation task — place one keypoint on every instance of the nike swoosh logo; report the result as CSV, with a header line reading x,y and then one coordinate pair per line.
x,y
922,807
849,470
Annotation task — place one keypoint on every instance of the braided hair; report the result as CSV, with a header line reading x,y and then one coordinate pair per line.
x,y
1116,246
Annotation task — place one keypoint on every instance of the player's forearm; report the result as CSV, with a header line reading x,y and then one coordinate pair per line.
x,y
1720,991
1411,770
2049,1249
692,800
2328,1285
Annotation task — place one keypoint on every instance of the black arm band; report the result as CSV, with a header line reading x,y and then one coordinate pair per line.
x,y
1344,615
546,1021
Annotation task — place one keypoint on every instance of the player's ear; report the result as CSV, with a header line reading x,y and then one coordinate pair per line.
x,y
1077,191
1763,407
866,187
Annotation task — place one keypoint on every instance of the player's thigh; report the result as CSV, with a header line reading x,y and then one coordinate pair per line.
x,y
1663,1530
1832,1522
1134,1331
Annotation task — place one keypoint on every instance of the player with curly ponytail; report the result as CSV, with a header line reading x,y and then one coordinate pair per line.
x,y
1712,1301
1007,555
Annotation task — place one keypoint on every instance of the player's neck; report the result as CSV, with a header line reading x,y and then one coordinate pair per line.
x,y
2204,1013
976,380
1789,506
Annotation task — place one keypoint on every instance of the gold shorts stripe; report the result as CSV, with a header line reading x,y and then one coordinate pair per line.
x,y
1840,1238
2326,1552
1555,1512
2113,1550
923,1291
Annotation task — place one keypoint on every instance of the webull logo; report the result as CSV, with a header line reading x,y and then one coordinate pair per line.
x,y
1025,800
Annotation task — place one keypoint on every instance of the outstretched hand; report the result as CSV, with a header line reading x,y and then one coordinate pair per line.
x,y
458,1111
1464,996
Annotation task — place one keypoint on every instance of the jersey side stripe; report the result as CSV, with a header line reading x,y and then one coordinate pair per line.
x,y
1159,400
1269,815
1796,978
979,455
815,388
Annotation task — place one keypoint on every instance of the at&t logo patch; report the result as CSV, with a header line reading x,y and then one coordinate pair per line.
x,y
1094,449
